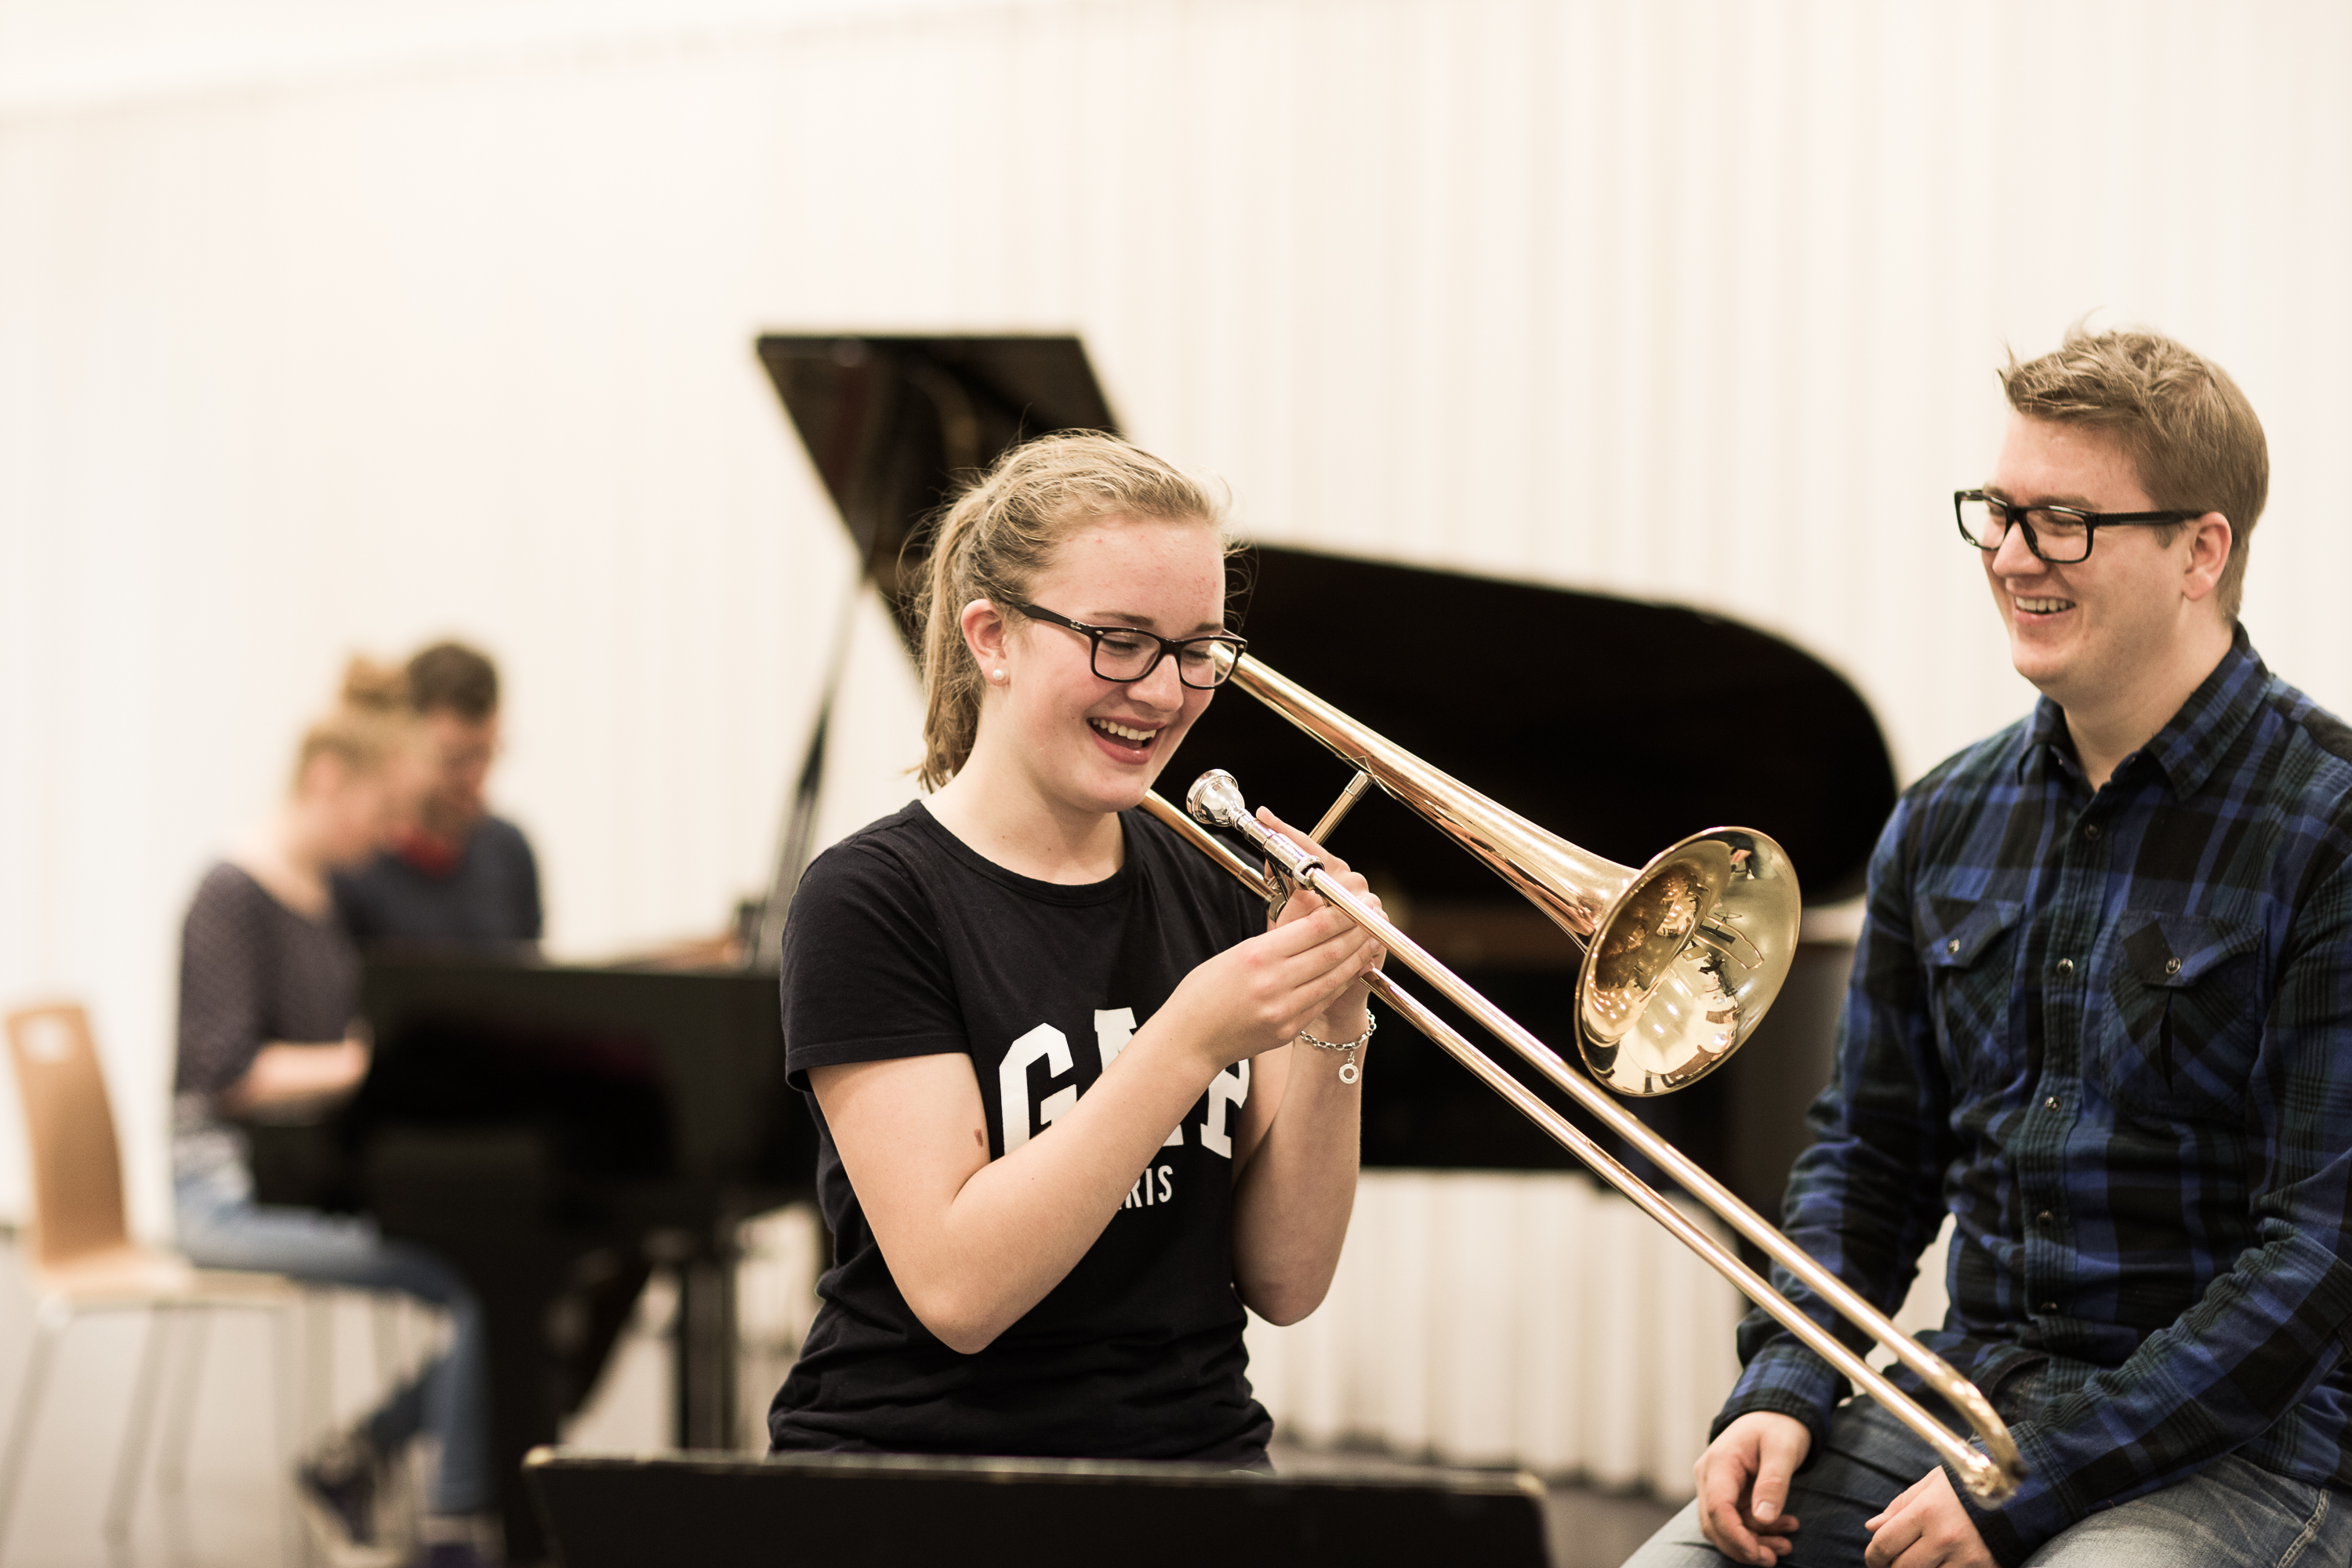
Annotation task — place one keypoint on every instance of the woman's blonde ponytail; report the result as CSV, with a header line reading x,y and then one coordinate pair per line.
x,y
371,723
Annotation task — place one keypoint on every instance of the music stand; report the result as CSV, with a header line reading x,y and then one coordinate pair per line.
x,y
608,1510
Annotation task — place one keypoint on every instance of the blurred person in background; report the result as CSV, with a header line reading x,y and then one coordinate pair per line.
x,y
455,876
268,1004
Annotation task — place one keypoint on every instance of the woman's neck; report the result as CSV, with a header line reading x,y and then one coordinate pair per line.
x,y
1002,815
283,855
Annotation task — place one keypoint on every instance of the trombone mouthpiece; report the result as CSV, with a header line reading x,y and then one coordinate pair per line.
x,y
1215,800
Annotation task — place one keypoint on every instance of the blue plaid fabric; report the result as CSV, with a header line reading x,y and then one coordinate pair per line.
x,y
2110,1034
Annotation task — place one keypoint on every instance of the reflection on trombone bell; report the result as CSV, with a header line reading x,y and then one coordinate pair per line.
x,y
1682,957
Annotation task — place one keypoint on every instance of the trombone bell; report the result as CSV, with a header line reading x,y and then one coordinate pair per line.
x,y
1681,957
1686,961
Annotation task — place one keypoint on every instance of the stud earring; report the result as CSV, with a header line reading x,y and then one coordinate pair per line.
x,y
995,675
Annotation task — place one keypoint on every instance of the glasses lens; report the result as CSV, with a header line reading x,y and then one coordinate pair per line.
x,y
2062,535
1985,522
1207,663
1125,656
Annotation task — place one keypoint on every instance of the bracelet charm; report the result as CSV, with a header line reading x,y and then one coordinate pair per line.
x,y
1349,1072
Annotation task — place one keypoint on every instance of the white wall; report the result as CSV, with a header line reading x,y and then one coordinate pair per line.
x,y
336,328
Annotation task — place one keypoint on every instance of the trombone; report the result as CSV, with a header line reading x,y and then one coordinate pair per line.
x,y
1681,957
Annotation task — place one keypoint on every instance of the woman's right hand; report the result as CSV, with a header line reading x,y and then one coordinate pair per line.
x,y
1260,993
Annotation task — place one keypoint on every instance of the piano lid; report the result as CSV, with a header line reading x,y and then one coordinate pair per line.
x,y
1620,725
890,421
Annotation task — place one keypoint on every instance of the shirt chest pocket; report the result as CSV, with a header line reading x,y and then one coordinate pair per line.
x,y
1971,951
2185,1015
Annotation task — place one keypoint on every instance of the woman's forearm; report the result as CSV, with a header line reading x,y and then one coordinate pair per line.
x,y
286,1074
1027,1220
1002,1232
974,1243
1295,1193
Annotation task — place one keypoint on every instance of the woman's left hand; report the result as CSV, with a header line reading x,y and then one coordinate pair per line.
x,y
1344,1019
1295,1156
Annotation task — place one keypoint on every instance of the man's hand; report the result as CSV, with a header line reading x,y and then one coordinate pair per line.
x,y
1925,1527
1743,1483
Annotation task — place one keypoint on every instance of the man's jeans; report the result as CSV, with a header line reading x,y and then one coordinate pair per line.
x,y
2230,1514
220,1227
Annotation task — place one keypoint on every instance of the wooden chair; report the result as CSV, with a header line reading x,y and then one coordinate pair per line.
x,y
83,1260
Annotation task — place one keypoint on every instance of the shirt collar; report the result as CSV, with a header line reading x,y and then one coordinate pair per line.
x,y
2194,739
2047,743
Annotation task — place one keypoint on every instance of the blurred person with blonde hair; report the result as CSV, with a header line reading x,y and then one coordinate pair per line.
x,y
456,875
268,1026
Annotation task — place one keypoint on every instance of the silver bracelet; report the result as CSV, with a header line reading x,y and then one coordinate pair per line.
x,y
1347,1072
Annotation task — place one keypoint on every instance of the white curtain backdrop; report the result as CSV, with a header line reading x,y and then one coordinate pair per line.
x,y
335,328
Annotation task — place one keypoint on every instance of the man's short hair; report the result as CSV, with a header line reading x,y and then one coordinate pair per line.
x,y
2189,432
451,676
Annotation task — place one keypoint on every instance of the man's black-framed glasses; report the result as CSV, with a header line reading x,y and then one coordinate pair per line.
x,y
1126,654
2061,536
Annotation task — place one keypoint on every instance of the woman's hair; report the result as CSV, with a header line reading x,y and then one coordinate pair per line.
x,y
372,720
996,537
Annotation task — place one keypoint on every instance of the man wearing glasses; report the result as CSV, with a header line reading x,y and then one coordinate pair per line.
x,y
2099,1016
459,876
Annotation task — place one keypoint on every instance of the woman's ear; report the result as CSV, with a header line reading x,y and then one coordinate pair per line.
x,y
987,634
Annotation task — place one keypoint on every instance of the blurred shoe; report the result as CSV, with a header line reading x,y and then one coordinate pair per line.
x,y
338,1486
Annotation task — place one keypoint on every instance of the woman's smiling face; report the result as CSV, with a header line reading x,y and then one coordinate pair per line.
x,y
1087,743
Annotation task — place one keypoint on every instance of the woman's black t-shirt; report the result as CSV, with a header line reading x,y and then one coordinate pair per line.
x,y
903,942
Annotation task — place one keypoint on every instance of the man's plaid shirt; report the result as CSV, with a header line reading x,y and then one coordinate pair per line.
x,y
2110,1034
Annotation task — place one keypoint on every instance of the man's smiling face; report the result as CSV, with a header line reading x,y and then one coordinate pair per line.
x,y
2084,631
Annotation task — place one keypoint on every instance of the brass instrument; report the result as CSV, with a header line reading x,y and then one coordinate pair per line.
x,y
1682,958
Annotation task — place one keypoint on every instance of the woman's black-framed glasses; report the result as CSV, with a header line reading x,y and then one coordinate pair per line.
x,y
1126,655
2060,535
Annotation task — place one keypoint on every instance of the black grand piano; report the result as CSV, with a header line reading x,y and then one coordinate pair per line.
x,y
557,1131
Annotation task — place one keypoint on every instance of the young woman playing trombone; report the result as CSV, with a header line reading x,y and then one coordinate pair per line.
x,y
1071,1111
